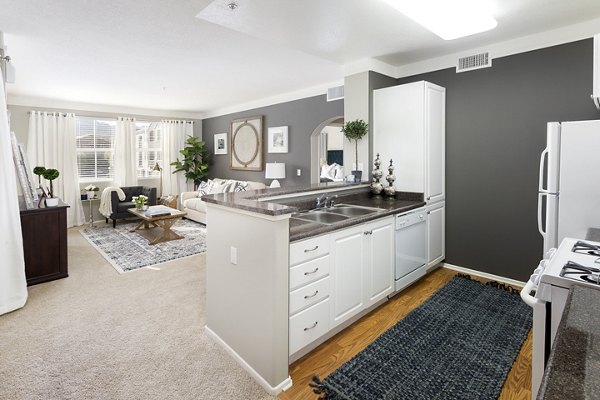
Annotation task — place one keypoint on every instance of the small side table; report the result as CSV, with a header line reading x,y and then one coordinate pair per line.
x,y
91,222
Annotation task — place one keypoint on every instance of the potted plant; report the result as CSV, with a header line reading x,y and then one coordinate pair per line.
x,y
139,201
194,163
356,130
39,171
91,191
51,174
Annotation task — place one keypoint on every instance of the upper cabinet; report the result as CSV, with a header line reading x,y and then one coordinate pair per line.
x,y
409,128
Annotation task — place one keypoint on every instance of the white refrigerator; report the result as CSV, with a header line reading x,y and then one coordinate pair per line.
x,y
569,183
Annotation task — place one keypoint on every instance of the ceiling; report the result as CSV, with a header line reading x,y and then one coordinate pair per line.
x,y
197,57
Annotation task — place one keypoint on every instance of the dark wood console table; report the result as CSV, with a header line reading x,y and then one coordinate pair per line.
x,y
44,242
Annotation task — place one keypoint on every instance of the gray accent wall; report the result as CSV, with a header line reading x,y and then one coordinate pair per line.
x,y
495,131
301,117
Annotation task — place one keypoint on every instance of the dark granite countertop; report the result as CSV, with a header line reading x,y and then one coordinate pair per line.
x,y
259,201
574,364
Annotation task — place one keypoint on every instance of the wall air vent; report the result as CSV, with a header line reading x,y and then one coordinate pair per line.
x,y
476,61
335,93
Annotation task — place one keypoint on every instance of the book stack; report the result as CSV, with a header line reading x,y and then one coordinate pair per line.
x,y
157,211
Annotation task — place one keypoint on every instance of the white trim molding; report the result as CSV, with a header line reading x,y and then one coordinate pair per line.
x,y
29,101
512,282
277,99
555,37
273,390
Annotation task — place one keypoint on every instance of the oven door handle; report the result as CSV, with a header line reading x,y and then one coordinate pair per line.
x,y
530,300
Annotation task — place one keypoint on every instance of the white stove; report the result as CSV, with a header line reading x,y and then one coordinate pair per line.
x,y
575,262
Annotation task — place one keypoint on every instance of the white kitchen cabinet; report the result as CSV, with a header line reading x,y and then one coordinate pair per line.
x,y
380,260
347,268
436,233
351,270
362,267
309,291
409,128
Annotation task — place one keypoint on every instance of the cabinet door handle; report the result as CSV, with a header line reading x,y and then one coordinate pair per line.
x,y
368,232
311,327
311,272
312,295
309,250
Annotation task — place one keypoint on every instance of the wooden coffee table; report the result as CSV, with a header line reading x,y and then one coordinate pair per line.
x,y
157,229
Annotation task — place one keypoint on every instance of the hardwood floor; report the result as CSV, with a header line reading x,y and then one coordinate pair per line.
x,y
332,354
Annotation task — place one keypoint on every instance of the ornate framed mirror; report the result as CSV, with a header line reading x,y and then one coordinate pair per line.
x,y
247,144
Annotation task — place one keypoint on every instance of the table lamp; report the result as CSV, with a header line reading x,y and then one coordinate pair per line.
x,y
275,171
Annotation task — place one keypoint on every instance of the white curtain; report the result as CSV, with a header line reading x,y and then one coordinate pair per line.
x,y
52,144
125,153
13,287
174,135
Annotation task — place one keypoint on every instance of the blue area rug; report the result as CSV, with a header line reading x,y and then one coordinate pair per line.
x,y
128,251
459,344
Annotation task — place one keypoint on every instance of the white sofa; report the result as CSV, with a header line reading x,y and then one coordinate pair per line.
x,y
195,207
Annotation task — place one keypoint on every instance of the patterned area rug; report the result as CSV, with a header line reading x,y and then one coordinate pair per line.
x,y
459,344
128,251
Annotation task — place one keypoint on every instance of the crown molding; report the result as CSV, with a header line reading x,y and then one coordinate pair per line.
x,y
567,34
30,101
277,99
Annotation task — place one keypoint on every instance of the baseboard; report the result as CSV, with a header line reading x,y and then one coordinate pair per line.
x,y
485,275
273,390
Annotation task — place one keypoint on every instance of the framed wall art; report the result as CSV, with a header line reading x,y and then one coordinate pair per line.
x,y
247,144
278,139
221,143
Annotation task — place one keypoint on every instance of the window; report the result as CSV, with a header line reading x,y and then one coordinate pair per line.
x,y
95,148
148,141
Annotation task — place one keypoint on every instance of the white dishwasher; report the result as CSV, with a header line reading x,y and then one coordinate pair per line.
x,y
411,247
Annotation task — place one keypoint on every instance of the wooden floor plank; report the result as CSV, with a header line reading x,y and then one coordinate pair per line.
x,y
332,354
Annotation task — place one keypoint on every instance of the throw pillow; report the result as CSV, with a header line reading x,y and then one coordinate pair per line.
x,y
240,186
218,188
205,187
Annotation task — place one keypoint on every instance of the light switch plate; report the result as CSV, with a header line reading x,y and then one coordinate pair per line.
x,y
233,255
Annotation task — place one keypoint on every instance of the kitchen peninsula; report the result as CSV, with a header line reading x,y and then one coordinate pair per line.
x,y
253,239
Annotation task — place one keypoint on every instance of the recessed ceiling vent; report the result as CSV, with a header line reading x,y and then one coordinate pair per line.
x,y
476,61
335,93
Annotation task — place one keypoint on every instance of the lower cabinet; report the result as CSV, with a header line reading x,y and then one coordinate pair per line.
x,y
436,233
355,268
362,267
44,233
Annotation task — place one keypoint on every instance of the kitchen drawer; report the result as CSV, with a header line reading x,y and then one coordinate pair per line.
x,y
308,272
308,249
309,325
308,295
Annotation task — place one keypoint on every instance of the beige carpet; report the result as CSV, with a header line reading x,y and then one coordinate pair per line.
x,y
99,334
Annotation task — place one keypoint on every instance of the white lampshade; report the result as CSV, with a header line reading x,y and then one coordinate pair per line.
x,y
275,171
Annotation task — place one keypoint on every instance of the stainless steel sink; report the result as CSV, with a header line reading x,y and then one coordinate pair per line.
x,y
352,211
338,213
321,217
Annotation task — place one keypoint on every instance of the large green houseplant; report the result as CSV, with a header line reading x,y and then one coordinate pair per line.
x,y
194,163
356,130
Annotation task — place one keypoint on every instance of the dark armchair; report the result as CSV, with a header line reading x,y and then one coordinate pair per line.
x,y
119,208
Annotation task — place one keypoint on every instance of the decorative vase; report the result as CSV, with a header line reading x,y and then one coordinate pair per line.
x,y
51,201
376,186
138,206
390,190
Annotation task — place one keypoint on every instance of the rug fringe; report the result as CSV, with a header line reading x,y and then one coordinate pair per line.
x,y
319,388
494,284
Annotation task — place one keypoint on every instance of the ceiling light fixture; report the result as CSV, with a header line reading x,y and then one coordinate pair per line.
x,y
449,19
